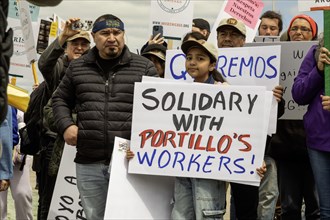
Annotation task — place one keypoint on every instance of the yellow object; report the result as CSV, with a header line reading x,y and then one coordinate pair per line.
x,y
18,97
34,72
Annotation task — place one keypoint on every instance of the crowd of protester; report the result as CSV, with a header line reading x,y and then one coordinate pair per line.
x,y
89,102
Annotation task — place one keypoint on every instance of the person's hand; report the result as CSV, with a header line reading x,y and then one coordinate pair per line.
x,y
70,135
67,30
262,170
129,154
35,86
278,92
4,184
325,102
324,58
156,39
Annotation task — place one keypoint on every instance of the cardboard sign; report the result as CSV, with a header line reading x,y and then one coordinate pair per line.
x,y
199,130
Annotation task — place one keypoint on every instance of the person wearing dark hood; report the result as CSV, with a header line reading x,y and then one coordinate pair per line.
x,y
202,26
156,53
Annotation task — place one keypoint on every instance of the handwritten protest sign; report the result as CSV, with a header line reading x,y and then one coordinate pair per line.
x,y
175,17
133,196
66,203
199,131
239,66
291,58
246,11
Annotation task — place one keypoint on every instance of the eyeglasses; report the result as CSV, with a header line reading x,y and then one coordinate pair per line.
x,y
303,29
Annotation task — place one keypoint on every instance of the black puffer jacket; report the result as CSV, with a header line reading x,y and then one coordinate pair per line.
x,y
6,50
103,103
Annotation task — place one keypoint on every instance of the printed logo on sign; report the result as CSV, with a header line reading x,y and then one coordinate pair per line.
x,y
173,6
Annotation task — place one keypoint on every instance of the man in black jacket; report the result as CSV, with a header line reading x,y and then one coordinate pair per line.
x,y
100,86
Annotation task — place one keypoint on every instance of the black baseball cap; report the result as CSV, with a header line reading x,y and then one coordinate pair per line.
x,y
201,24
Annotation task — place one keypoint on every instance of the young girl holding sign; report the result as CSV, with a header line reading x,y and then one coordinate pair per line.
x,y
196,198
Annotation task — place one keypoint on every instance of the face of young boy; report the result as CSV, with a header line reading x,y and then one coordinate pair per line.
x,y
198,64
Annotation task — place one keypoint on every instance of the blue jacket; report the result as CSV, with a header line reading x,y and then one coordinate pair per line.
x,y
6,136
306,90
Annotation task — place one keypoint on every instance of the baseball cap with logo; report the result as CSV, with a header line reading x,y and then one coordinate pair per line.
x,y
201,24
209,48
81,34
237,24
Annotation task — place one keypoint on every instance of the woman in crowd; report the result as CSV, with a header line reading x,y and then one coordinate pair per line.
x,y
296,180
308,89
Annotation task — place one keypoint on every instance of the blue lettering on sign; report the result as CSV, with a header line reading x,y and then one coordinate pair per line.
x,y
258,67
195,162
176,160
182,74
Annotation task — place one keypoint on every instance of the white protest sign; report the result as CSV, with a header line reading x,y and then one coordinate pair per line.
x,y
175,17
132,196
257,66
66,203
27,30
291,59
240,66
199,130
246,11
310,5
20,67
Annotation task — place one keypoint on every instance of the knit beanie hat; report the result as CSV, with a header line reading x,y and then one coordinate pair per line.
x,y
310,21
